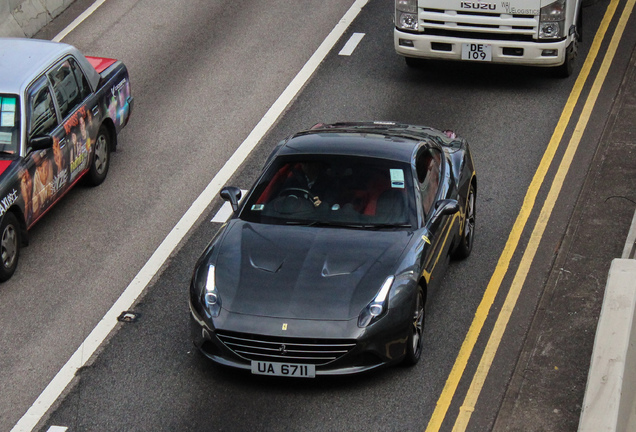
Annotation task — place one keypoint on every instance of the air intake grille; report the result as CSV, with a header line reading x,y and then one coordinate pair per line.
x,y
281,349
497,26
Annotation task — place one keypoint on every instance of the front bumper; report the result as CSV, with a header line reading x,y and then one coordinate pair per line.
x,y
368,349
450,48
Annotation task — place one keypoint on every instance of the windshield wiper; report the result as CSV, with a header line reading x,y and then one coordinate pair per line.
x,y
335,224
386,225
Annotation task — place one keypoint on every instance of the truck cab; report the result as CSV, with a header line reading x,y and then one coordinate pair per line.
x,y
524,32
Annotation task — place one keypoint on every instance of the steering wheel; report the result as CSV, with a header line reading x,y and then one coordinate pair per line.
x,y
294,200
298,193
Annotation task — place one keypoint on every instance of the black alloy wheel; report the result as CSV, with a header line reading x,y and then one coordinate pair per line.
x,y
416,332
465,245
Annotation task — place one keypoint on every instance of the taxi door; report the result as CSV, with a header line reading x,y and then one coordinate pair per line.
x,y
37,172
76,109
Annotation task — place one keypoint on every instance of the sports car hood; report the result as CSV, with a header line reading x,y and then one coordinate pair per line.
x,y
304,272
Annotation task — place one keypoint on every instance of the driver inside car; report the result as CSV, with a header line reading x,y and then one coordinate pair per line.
x,y
311,177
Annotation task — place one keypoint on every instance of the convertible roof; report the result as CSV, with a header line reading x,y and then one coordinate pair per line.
x,y
23,59
381,140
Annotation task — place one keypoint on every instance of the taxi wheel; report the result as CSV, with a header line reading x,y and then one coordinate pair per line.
x,y
415,339
9,246
101,158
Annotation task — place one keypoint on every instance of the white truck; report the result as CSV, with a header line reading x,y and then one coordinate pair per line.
x,y
524,32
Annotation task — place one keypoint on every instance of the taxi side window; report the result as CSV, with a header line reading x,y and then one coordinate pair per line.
x,y
9,123
428,166
82,82
69,84
41,109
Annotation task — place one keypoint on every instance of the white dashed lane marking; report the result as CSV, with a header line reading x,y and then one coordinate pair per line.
x,y
351,44
225,211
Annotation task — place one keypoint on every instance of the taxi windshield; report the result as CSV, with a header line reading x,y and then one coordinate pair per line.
x,y
335,191
9,123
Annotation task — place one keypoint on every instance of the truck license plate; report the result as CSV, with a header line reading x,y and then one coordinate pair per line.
x,y
284,369
476,52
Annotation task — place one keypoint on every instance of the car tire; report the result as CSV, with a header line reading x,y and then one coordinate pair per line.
x,y
467,237
9,246
415,339
101,158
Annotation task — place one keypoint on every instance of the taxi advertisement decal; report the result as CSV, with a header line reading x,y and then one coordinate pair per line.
x,y
54,170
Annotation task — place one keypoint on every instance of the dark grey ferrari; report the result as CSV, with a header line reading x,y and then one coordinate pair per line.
x,y
325,265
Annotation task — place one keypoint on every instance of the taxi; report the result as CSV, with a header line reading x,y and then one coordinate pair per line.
x,y
60,114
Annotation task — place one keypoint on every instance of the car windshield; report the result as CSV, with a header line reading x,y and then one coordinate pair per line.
x,y
9,123
334,190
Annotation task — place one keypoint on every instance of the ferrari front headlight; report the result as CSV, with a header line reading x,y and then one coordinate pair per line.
x,y
378,306
207,283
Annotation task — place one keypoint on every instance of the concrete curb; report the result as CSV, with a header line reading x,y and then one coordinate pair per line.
x,y
610,395
611,386
24,18
630,245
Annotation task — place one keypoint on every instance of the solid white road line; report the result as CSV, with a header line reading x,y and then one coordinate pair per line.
x,y
77,21
351,44
55,388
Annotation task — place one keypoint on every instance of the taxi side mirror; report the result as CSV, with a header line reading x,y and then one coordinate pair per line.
x,y
41,142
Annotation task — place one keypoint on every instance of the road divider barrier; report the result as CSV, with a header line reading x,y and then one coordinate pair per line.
x,y
24,18
609,404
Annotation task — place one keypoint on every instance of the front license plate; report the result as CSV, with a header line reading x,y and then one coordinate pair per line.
x,y
477,52
283,369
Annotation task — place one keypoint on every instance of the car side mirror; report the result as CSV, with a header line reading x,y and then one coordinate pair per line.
x,y
446,207
41,142
231,194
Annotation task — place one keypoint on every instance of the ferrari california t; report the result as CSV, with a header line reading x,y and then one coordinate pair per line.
x,y
325,266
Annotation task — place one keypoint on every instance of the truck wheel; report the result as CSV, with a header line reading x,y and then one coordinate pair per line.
x,y
566,69
414,63
9,246
101,158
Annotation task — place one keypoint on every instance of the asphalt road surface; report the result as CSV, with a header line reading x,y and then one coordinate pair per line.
x,y
203,75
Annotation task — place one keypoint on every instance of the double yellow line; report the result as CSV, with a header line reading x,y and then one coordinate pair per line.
x,y
468,406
